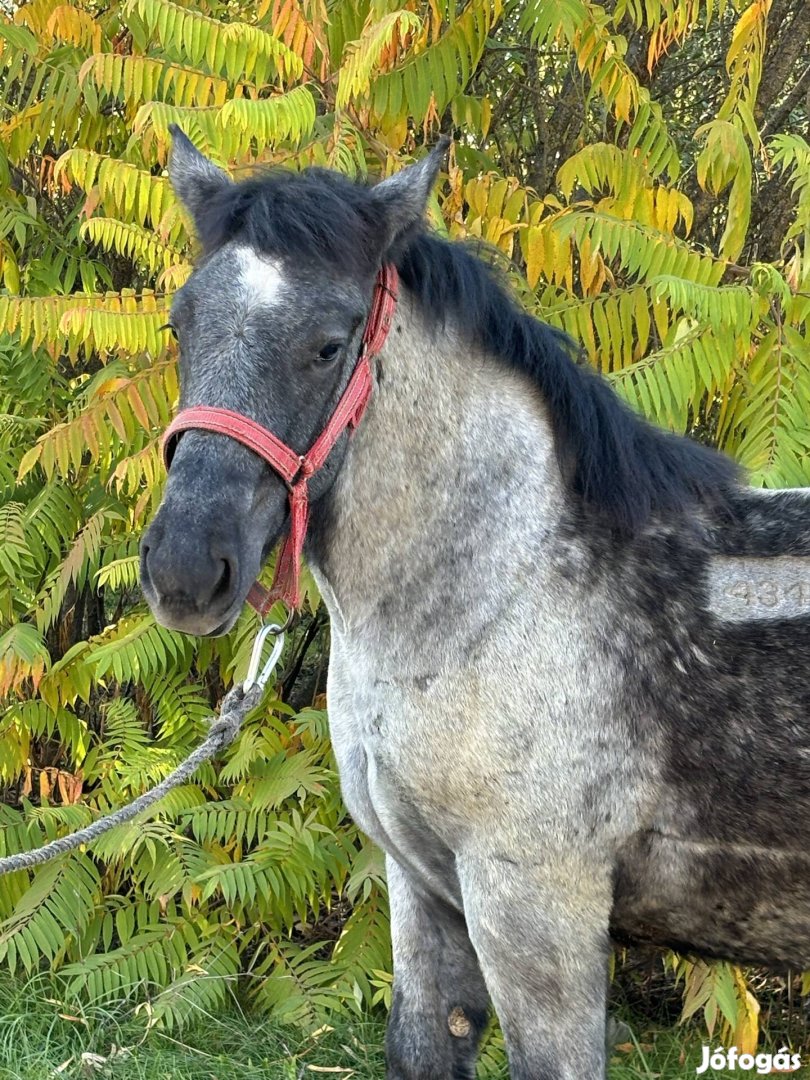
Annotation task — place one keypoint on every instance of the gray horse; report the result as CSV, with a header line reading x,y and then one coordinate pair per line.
x,y
567,690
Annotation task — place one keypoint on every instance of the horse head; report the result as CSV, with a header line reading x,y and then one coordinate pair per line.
x,y
269,327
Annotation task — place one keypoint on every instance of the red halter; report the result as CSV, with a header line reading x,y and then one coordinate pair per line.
x,y
296,469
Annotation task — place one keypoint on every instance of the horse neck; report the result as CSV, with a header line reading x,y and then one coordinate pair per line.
x,y
447,489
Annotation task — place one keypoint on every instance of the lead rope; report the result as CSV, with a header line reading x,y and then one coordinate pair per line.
x,y
224,728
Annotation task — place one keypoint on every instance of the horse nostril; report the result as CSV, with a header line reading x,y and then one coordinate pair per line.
x,y
144,564
225,582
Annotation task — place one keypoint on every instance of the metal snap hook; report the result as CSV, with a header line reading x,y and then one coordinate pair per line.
x,y
254,677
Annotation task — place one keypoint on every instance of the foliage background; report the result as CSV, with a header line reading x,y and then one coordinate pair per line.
x,y
641,166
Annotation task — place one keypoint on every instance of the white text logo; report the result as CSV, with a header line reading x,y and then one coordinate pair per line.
x,y
764,1064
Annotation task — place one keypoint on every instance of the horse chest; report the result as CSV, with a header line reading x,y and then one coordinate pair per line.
x,y
459,750
407,779
409,762
385,797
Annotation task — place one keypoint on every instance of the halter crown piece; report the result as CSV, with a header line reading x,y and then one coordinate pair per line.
x,y
296,469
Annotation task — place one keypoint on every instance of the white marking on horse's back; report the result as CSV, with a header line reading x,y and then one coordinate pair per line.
x,y
745,588
260,277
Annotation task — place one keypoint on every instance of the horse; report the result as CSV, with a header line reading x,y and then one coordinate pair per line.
x,y
567,688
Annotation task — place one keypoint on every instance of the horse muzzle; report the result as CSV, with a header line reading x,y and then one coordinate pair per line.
x,y
191,583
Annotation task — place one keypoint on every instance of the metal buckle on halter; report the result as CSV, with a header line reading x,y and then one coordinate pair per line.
x,y
254,676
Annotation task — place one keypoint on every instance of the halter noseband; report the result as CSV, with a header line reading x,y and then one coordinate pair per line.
x,y
296,469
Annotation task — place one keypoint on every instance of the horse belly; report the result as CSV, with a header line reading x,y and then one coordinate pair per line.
x,y
738,902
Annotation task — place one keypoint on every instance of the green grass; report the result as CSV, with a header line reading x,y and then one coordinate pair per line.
x,y
39,1036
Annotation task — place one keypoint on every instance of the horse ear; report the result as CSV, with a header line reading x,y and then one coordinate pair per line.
x,y
403,196
194,178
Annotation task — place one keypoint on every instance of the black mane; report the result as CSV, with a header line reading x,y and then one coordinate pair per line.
x,y
623,468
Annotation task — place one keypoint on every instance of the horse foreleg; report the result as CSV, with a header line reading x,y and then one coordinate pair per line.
x,y
540,931
440,1003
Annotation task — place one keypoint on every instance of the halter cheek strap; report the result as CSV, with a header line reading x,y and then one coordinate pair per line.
x,y
296,469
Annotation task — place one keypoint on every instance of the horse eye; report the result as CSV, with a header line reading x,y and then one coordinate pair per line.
x,y
330,351
168,326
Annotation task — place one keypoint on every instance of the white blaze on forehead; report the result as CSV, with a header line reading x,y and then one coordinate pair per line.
x,y
260,277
